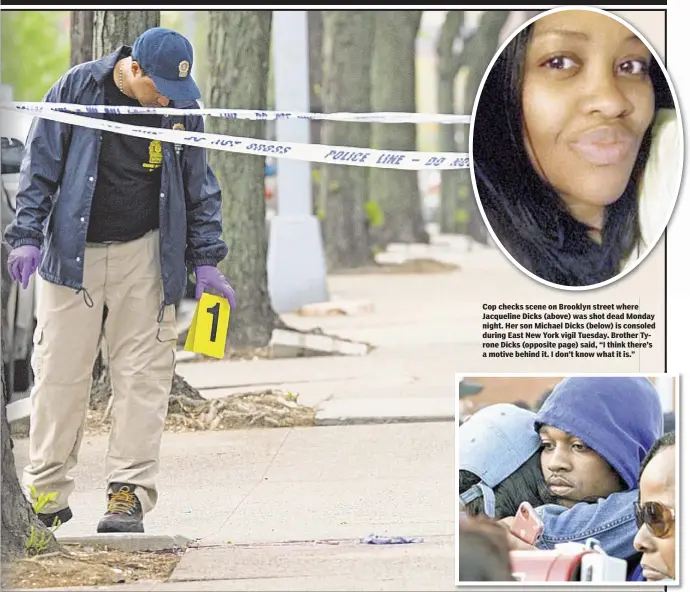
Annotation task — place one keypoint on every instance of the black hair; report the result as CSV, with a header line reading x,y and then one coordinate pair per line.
x,y
524,485
666,441
524,211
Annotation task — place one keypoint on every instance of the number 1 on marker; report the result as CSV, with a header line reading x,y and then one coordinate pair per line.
x,y
215,313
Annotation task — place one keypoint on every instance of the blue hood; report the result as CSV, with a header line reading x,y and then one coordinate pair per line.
x,y
618,417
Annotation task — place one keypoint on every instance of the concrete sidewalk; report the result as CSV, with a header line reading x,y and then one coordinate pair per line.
x,y
252,486
265,487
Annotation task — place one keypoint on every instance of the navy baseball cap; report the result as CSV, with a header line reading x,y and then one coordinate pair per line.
x,y
167,57
494,443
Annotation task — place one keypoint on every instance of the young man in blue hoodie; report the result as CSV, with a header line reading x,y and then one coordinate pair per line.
x,y
595,433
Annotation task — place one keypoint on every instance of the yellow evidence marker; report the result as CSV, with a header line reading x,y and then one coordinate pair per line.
x,y
209,329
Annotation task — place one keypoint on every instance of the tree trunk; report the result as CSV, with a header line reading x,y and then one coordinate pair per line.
x,y
479,51
315,31
449,63
113,28
81,36
239,46
348,39
17,515
393,88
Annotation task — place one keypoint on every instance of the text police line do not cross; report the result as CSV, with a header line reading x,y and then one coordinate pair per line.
x,y
391,159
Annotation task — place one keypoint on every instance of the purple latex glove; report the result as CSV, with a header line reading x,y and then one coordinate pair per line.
x,y
209,276
22,262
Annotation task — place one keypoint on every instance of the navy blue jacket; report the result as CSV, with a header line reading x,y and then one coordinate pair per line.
x,y
58,177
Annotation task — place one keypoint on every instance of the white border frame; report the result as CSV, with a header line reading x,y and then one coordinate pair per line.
x,y
478,200
528,584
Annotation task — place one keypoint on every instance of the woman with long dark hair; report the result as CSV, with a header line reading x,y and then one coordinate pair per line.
x,y
561,137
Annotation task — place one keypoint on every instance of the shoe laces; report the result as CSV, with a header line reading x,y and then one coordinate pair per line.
x,y
123,501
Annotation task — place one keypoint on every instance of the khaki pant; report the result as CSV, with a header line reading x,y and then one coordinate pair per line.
x,y
141,343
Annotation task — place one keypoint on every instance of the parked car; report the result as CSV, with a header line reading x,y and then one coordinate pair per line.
x,y
18,305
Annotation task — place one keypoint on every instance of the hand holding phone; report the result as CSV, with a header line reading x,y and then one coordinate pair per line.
x,y
527,525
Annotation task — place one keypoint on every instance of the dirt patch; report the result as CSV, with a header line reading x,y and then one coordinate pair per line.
x,y
188,413
79,565
264,409
411,266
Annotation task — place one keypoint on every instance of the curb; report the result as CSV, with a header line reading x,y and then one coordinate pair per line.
x,y
382,410
138,586
129,541
265,560
377,420
324,542
290,344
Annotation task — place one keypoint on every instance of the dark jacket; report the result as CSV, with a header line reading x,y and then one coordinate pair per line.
x,y
58,178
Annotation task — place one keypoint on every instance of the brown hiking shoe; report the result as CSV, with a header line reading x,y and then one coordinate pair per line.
x,y
124,513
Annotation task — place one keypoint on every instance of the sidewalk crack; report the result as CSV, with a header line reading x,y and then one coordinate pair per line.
x,y
252,490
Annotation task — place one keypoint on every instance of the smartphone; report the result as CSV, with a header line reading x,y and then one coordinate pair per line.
x,y
527,526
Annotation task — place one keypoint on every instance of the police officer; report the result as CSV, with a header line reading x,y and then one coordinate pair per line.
x,y
111,222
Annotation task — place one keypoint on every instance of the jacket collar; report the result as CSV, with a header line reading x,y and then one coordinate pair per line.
x,y
104,67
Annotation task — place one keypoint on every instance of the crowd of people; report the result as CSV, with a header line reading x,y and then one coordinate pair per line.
x,y
596,460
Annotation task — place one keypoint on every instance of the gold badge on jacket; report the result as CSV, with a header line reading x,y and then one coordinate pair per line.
x,y
155,155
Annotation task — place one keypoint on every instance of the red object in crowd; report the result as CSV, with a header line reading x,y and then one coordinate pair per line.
x,y
547,566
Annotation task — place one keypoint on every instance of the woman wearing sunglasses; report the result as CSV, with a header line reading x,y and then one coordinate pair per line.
x,y
655,512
